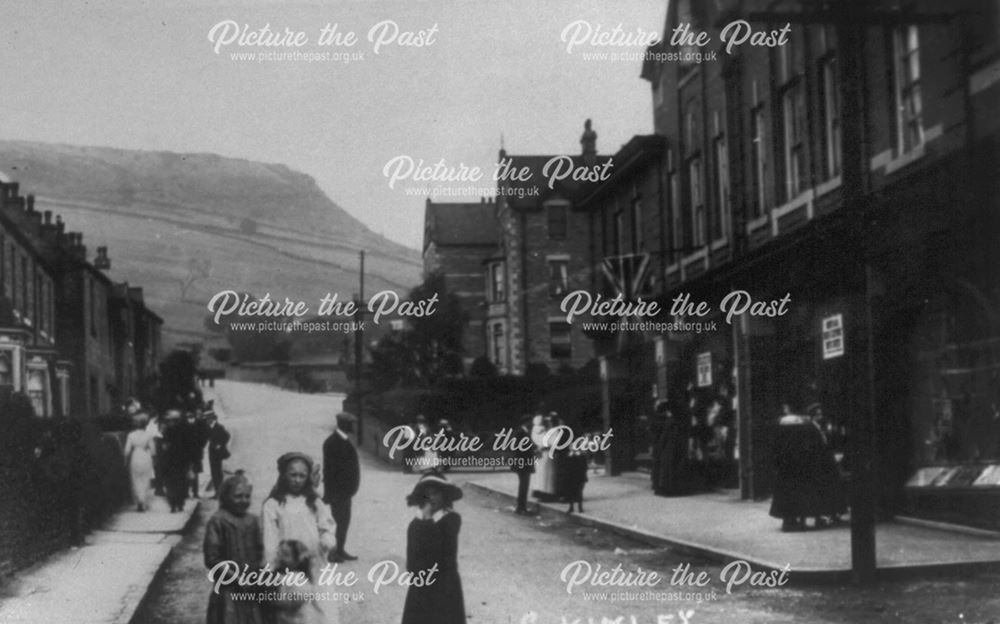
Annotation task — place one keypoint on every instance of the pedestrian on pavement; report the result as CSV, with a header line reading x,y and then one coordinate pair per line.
x,y
293,510
572,468
300,604
523,462
671,464
341,479
432,540
799,490
198,434
139,448
155,431
233,534
218,449
176,459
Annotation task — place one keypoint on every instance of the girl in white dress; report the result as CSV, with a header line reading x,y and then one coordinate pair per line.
x,y
293,511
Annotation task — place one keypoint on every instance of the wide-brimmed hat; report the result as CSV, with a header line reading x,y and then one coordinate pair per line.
x,y
285,459
429,480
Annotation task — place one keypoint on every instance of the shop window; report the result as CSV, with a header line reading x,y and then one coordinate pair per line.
x,y
560,343
6,369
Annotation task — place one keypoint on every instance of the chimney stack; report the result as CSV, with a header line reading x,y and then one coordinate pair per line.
x,y
102,261
30,204
47,217
588,140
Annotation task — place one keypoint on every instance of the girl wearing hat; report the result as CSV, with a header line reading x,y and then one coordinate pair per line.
x,y
293,511
432,539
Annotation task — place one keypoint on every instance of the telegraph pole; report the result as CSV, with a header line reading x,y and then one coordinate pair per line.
x,y
359,340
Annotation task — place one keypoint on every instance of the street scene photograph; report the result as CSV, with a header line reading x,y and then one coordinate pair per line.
x,y
444,312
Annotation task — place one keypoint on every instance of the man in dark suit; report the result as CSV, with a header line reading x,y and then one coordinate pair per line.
x,y
341,478
524,463
218,449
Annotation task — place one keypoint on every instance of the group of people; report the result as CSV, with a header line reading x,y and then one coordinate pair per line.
x,y
560,470
693,444
164,453
298,532
808,478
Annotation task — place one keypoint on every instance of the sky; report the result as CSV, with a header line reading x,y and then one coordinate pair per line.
x,y
146,75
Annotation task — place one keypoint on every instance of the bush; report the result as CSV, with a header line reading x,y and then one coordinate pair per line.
x,y
482,367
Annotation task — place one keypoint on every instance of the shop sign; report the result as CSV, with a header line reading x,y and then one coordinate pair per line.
x,y
704,369
833,336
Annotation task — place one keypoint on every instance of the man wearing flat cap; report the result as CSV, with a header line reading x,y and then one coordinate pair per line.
x,y
341,478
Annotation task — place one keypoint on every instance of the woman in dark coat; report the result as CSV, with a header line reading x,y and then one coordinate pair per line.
x,y
432,540
800,483
672,466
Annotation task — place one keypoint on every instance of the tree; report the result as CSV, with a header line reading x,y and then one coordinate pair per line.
x,y
429,349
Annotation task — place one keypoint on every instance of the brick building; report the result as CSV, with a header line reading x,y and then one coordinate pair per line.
x,y
750,198
458,237
541,257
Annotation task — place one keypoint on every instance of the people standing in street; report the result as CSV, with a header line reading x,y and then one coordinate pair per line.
x,y
139,449
799,486
523,462
176,459
432,543
233,534
218,449
573,471
293,510
341,479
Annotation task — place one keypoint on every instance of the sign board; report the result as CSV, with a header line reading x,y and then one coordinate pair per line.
x,y
704,369
833,336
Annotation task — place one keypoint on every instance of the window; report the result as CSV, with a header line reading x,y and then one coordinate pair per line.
x,y
637,242
909,108
619,233
560,343
720,224
25,289
558,278
497,349
697,202
676,222
497,290
794,114
759,161
558,217
831,115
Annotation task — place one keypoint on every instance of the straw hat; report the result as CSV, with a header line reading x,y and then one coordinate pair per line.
x,y
287,458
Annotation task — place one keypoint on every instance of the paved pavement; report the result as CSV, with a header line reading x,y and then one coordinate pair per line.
x,y
721,526
101,582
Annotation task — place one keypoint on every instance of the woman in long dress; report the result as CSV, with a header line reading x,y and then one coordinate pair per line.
x,y
432,540
139,449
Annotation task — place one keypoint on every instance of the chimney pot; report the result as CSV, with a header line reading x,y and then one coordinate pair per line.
x,y
31,203
588,140
47,217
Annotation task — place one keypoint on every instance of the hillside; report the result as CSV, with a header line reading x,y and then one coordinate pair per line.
x,y
169,217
